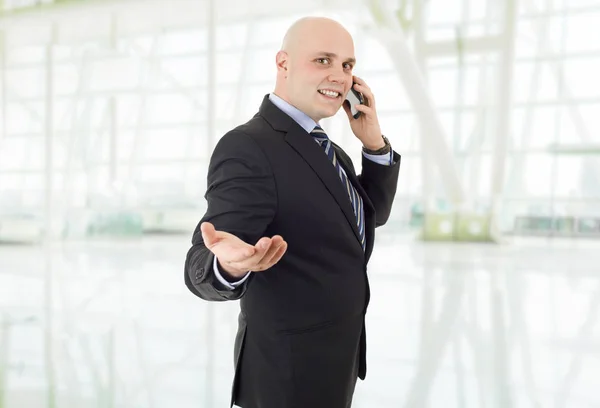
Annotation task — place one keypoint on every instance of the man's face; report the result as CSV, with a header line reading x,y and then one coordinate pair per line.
x,y
319,71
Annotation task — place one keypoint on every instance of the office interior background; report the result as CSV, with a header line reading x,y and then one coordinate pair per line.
x,y
485,281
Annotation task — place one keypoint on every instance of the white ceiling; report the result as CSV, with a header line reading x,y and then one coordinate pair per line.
x,y
140,15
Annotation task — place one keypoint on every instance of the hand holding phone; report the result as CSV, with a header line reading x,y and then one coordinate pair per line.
x,y
354,98
366,128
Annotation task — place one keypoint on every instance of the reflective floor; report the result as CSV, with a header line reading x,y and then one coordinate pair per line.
x,y
111,324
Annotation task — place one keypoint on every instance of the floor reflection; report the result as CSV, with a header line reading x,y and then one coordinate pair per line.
x,y
111,324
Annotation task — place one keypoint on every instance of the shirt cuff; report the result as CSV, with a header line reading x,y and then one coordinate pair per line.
x,y
230,285
383,159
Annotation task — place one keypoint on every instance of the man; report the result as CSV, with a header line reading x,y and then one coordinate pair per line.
x,y
290,227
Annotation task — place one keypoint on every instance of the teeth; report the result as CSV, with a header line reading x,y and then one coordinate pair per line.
x,y
329,93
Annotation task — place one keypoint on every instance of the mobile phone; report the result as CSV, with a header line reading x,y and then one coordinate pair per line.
x,y
354,97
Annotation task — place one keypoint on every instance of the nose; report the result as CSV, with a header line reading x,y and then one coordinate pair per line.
x,y
338,77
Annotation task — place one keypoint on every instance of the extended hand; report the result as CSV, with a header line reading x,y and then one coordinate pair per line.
x,y
237,257
366,128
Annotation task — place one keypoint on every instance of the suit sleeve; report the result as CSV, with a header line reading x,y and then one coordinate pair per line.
x,y
242,200
380,183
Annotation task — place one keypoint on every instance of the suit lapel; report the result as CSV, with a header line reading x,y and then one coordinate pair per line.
x,y
314,156
367,204
354,180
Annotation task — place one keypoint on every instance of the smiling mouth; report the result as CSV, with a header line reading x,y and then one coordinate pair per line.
x,y
330,94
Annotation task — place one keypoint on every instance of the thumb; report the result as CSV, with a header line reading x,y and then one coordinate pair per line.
x,y
209,234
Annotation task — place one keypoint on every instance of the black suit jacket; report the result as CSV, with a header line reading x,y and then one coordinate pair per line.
x,y
301,339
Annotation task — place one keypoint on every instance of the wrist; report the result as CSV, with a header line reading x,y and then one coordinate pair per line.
x,y
382,146
379,144
229,273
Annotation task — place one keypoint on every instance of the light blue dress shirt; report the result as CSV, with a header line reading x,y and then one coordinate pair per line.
x,y
307,124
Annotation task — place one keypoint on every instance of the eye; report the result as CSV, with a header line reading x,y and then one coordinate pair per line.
x,y
326,61
349,66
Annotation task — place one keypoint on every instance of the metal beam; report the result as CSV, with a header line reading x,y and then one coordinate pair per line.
x,y
392,37
48,233
49,133
3,84
146,77
112,109
4,350
210,143
479,45
591,149
427,175
505,82
515,178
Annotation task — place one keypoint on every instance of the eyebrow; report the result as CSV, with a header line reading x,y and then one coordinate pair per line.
x,y
334,55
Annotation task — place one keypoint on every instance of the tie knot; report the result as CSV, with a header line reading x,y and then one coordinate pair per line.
x,y
318,131
319,134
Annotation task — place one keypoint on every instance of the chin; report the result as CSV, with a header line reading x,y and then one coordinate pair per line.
x,y
331,113
323,115
328,111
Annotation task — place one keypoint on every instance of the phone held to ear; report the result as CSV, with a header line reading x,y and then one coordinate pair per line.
x,y
354,98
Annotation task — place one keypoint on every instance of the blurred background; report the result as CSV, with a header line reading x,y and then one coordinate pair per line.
x,y
485,282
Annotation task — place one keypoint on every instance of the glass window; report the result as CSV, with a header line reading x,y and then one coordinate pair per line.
x,y
172,108
116,73
534,81
24,117
578,77
537,175
581,30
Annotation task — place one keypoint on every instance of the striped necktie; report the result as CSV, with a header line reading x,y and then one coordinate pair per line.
x,y
357,203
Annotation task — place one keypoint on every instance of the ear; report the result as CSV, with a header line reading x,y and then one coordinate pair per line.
x,y
281,60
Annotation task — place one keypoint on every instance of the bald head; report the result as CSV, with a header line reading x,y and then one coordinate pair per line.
x,y
311,27
317,55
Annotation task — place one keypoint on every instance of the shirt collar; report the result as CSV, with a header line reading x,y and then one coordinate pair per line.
x,y
305,121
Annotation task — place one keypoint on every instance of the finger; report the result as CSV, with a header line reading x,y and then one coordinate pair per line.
x,y
362,87
360,83
261,248
275,258
273,245
264,249
367,93
367,110
264,254
277,240
270,256
358,80
209,234
263,244
279,254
